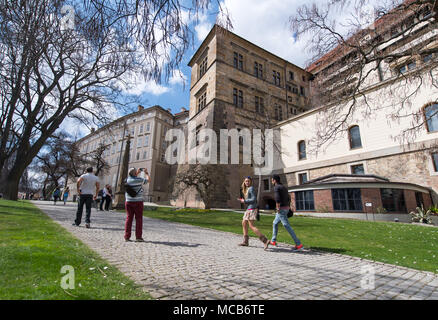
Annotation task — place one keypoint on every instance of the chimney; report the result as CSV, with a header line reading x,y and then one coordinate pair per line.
x,y
168,109
92,130
183,109
140,108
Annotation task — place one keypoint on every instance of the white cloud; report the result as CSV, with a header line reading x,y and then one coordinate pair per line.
x,y
265,23
203,27
177,78
140,87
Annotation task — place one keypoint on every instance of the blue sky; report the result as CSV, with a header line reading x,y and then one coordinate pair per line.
x,y
262,22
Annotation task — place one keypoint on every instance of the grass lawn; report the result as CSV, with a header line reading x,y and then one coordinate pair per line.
x,y
395,243
33,249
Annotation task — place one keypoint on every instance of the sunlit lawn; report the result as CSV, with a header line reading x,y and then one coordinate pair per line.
x,y
395,243
33,249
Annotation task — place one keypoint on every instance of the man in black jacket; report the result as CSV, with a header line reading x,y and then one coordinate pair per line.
x,y
283,204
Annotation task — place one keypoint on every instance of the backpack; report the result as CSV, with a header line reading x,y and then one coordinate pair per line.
x,y
290,213
130,190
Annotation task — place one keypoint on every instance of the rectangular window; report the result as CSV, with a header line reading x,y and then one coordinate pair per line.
x,y
203,67
393,200
138,156
276,78
302,91
435,161
302,178
238,61
148,126
146,141
431,115
291,75
302,150
259,105
258,70
427,58
202,101
304,200
145,154
141,128
238,98
266,185
347,200
357,169
139,142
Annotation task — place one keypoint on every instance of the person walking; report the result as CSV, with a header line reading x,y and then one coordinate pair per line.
x,y
101,196
134,202
282,206
87,185
250,216
56,195
65,194
108,197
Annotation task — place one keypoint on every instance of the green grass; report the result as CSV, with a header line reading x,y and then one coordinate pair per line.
x,y
394,243
33,249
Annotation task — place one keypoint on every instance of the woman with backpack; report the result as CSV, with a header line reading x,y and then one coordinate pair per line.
x,y
250,216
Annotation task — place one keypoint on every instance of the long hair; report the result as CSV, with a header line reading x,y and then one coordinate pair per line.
x,y
245,188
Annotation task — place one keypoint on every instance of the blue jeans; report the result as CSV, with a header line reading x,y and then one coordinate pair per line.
x,y
281,216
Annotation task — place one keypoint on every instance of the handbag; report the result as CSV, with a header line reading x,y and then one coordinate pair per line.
x,y
258,215
290,213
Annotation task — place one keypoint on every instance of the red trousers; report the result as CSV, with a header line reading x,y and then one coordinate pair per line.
x,y
134,209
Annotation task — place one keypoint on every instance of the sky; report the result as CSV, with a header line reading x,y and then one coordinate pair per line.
x,y
262,22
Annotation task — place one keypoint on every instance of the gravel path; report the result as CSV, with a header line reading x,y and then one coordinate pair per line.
x,y
180,262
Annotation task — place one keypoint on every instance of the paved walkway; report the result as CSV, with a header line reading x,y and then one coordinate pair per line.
x,y
179,261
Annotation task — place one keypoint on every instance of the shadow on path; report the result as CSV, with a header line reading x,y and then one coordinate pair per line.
x,y
175,244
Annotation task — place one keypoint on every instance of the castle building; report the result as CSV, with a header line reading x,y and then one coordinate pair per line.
x,y
384,158
238,85
147,128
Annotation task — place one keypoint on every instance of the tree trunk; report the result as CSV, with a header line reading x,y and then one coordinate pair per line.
x,y
12,182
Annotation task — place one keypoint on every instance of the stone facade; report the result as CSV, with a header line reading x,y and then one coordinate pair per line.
x,y
147,129
224,88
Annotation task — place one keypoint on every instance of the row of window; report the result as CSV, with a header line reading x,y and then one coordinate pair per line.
x,y
353,137
350,199
238,63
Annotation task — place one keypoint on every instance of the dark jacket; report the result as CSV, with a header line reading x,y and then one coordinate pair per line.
x,y
281,195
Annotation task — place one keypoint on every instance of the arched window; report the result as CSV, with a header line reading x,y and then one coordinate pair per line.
x,y
301,150
431,116
354,136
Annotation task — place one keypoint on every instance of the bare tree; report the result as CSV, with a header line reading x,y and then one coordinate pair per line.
x,y
203,178
61,59
390,46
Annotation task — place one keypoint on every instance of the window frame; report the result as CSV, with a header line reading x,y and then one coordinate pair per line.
x,y
426,121
304,200
347,200
351,140
300,157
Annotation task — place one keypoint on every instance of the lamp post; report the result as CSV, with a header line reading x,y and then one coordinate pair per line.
x,y
119,199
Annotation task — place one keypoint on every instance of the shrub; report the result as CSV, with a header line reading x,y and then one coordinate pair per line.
x,y
422,215
433,210
381,210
